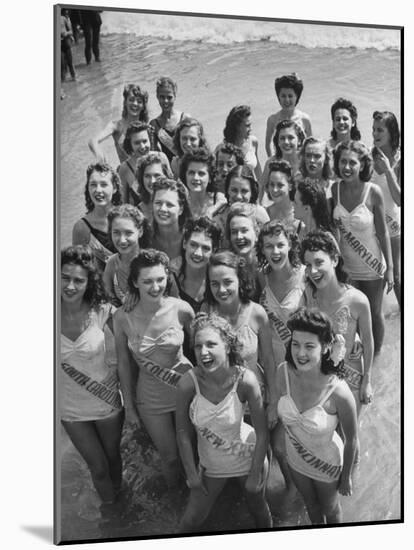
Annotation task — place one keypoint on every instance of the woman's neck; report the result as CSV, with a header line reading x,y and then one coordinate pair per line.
x,y
293,160
168,233
282,209
330,293
149,307
281,275
195,274
126,259
100,212
231,311
74,309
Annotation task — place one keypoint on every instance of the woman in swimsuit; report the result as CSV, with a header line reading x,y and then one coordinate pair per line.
x,y
188,136
313,401
169,118
102,192
311,207
282,294
344,116
210,400
201,238
316,164
238,131
90,405
364,241
197,174
387,170
227,294
134,110
153,332
278,188
138,142
129,232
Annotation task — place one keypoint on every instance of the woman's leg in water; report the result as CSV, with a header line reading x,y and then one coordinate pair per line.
x,y
374,291
86,439
278,443
306,487
257,503
396,260
328,497
110,432
200,504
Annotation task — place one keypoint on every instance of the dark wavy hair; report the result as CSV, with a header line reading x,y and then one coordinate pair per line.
x,y
188,122
245,210
203,156
283,125
226,332
242,171
205,225
133,213
230,259
316,322
134,128
148,258
391,123
364,156
312,194
83,256
166,82
325,241
233,121
280,166
135,90
102,168
164,183
292,81
149,159
327,165
275,228
343,103
230,149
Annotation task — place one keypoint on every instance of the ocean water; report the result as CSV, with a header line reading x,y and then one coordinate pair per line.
x,y
217,64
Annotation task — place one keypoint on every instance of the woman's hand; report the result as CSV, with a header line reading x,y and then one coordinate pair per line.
x,y
271,413
345,486
197,483
381,161
389,279
131,417
254,482
365,391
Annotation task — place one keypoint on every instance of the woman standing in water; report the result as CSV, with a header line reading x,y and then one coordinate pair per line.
x,y
153,331
210,400
134,110
313,401
90,405
169,118
102,192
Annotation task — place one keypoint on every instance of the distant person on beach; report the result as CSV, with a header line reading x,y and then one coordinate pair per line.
x,y
210,404
344,116
359,217
227,157
134,109
90,21
188,135
313,400
289,89
238,131
102,191
387,173
91,407
153,332
278,188
169,118
66,39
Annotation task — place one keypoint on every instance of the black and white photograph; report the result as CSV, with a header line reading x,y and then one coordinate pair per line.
x,y
229,288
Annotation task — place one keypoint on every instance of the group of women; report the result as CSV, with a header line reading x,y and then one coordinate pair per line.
x,y
202,296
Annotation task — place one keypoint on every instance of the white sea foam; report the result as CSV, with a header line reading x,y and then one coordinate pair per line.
x,y
226,31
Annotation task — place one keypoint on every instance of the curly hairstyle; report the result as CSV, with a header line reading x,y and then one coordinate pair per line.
x,y
327,165
292,81
148,258
312,195
279,166
242,171
230,259
135,128
164,183
204,225
343,103
230,149
203,156
133,213
391,123
188,122
226,332
316,322
325,241
166,82
102,168
245,210
134,89
275,228
364,156
83,256
283,125
236,116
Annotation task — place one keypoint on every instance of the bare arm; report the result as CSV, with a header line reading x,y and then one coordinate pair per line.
x,y
365,332
263,181
383,164
99,138
382,233
81,233
346,409
268,363
270,128
258,168
108,277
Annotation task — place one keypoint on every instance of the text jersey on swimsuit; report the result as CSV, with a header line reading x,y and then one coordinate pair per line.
x,y
392,211
358,240
100,243
314,448
226,421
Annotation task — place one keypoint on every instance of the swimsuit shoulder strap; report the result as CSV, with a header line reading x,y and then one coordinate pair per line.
x,y
329,393
238,378
88,224
130,167
194,377
367,189
285,369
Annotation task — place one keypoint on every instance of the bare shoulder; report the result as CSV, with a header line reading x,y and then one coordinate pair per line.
x,y
80,233
186,384
342,394
376,195
259,313
184,310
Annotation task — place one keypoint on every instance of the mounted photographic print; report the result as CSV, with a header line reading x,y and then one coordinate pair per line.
x,y
228,352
